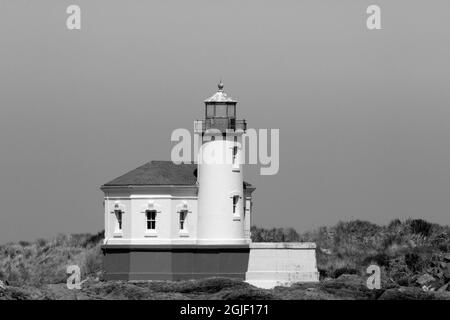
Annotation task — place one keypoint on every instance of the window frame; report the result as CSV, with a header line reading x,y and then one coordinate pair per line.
x,y
148,219
119,221
118,210
235,200
235,163
182,222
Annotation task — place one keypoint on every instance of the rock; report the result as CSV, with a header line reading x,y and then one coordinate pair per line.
x,y
438,273
351,279
447,257
2,285
425,279
447,272
427,288
443,288
435,272
435,285
406,293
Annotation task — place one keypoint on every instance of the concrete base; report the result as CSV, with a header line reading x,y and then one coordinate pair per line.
x,y
281,264
174,262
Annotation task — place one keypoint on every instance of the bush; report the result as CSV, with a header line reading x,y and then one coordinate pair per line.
x,y
380,259
41,242
413,260
394,224
93,240
419,226
346,270
274,234
93,261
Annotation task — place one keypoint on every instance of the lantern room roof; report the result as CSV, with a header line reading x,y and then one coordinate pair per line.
x,y
220,96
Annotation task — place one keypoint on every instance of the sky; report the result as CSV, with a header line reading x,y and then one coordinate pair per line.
x,y
364,115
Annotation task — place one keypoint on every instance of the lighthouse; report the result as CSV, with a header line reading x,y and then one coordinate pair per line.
x,y
221,198
168,221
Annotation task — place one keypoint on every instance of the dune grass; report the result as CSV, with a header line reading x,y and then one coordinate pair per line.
x,y
404,250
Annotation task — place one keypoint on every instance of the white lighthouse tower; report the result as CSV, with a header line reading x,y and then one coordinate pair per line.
x,y
221,199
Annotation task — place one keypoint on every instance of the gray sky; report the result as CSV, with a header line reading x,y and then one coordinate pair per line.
x,y
364,116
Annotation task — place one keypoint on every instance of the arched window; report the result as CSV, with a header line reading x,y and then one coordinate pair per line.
x,y
235,203
235,197
234,153
183,216
183,212
119,220
119,210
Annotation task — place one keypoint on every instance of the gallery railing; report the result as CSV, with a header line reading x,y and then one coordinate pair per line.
x,y
221,124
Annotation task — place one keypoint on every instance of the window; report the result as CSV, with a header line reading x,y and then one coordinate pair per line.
x,y
221,110
151,219
119,219
183,216
235,203
235,151
231,111
210,110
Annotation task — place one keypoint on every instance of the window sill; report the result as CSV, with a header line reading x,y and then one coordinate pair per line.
x,y
117,234
151,234
184,234
237,218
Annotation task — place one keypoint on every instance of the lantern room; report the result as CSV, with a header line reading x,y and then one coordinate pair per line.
x,y
220,113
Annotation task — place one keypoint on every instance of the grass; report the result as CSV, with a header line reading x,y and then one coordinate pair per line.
x,y
404,250
45,262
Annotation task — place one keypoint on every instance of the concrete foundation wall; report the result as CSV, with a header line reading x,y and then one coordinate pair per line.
x,y
277,264
180,262
264,265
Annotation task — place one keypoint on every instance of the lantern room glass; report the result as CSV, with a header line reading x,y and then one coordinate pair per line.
x,y
221,111
210,110
231,111
216,110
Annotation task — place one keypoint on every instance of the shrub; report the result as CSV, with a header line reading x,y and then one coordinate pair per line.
x,y
380,259
413,261
291,235
41,242
394,224
274,234
93,240
93,261
346,270
420,226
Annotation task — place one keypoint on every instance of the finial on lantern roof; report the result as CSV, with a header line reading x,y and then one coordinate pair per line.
x,y
220,96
